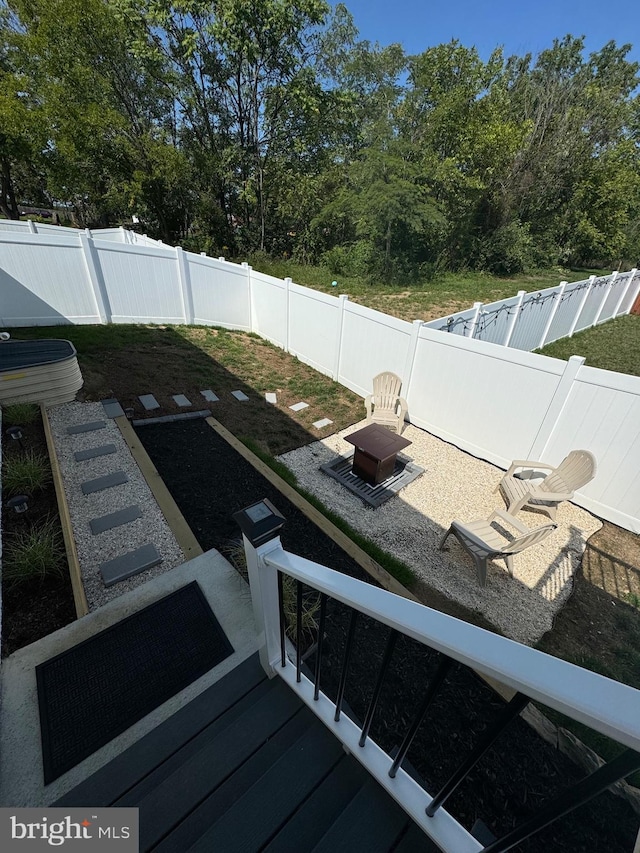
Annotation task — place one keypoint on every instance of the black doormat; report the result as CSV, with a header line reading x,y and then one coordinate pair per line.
x,y
93,692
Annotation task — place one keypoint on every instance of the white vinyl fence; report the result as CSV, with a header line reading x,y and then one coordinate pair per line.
x,y
497,402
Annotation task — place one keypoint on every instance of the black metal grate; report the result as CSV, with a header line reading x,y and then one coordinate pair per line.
x,y
94,691
405,472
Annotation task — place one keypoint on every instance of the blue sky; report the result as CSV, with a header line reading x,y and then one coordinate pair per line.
x,y
521,27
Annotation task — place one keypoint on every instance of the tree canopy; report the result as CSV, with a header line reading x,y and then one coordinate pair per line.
x,y
236,127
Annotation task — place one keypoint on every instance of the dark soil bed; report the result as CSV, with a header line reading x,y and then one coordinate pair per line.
x,y
210,481
32,609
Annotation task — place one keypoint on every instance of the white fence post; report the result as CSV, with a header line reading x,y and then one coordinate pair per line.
x,y
184,279
558,402
124,234
263,583
287,313
607,290
587,291
248,269
472,329
514,319
32,227
96,279
554,308
343,299
411,357
625,290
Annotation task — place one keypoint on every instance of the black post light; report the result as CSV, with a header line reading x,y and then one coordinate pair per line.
x,y
129,413
19,503
259,522
15,433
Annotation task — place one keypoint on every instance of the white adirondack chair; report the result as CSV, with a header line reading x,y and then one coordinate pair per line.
x,y
483,541
521,489
385,406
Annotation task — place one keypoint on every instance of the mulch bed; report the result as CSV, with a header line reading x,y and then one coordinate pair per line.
x,y
210,481
35,608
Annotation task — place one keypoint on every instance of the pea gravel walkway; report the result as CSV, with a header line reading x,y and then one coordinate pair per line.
x,y
94,550
457,485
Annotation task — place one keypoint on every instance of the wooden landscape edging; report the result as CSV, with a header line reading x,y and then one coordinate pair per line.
x,y
175,519
79,597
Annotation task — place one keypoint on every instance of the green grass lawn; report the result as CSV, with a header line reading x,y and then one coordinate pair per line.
x,y
444,295
614,345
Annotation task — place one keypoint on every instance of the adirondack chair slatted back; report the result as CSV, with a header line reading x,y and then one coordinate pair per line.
x,y
527,539
386,390
577,469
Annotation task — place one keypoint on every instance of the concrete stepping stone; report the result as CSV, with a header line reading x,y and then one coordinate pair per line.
x,y
94,452
209,396
132,563
106,482
270,397
88,427
322,423
115,519
181,400
240,395
112,408
149,402
297,407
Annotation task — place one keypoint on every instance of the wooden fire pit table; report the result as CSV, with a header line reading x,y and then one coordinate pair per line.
x,y
376,449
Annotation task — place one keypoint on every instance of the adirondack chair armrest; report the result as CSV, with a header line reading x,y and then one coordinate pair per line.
x,y
540,494
404,407
509,519
368,402
527,463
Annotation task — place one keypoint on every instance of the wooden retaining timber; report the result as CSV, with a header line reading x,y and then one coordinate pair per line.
x,y
79,597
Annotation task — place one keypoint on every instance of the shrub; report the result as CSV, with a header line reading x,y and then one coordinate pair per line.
x,y
33,553
25,472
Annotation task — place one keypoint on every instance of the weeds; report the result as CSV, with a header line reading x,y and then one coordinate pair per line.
x,y
33,553
25,472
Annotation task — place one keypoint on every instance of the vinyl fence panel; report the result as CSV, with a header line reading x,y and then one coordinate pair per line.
x,y
314,328
486,399
44,286
220,292
141,282
593,303
566,311
532,319
456,324
373,342
602,414
495,320
270,308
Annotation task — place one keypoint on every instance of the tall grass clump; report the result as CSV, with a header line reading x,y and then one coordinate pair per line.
x,y
20,413
25,472
35,552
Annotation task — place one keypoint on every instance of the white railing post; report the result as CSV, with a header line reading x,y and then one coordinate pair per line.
x,y
263,582
474,322
342,304
554,309
558,402
607,290
287,311
410,360
624,291
587,291
96,278
514,319
250,293
221,258
124,234
184,280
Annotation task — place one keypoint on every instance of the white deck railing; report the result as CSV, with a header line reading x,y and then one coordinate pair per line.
x,y
604,705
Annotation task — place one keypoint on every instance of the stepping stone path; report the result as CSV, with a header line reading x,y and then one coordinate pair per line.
x,y
209,396
121,568
322,423
297,407
270,397
112,408
240,395
149,402
118,478
181,400
94,452
115,519
76,430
